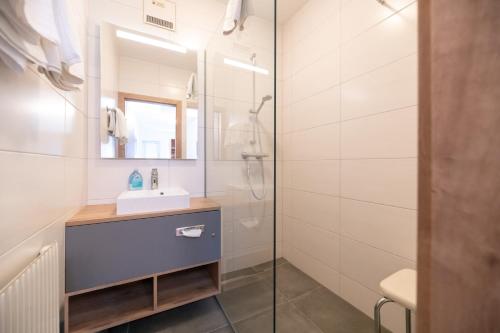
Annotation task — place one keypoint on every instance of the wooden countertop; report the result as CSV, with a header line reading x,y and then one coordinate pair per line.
x,y
107,213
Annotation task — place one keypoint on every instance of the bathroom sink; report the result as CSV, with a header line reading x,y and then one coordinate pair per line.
x,y
150,201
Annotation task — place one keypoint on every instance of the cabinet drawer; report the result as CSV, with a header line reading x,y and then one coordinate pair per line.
x,y
106,253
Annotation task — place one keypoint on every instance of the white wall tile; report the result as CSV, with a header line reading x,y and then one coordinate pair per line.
x,y
311,15
318,143
392,39
33,195
32,117
93,97
386,135
321,245
317,77
358,16
217,173
386,181
369,265
388,88
388,228
322,40
320,109
322,211
316,176
76,132
188,175
75,185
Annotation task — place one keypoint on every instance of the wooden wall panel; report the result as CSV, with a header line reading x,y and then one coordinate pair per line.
x,y
459,168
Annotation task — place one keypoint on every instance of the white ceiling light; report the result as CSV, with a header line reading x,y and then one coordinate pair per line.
x,y
150,41
245,66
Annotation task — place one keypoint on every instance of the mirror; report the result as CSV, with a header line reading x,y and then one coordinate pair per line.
x,y
149,96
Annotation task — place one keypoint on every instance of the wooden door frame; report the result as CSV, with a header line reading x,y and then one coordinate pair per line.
x,y
124,96
459,167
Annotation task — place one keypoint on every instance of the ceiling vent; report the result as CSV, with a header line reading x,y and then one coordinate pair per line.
x,y
160,13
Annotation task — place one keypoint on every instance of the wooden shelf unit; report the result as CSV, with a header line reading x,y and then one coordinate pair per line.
x,y
98,309
186,286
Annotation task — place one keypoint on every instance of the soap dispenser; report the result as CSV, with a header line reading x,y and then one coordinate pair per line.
x,y
135,181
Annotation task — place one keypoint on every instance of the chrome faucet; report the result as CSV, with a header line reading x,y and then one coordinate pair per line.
x,y
154,179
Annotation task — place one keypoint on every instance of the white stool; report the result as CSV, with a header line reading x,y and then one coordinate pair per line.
x,y
401,288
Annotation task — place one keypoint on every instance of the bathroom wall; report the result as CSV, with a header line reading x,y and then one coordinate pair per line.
x,y
350,145
43,160
196,22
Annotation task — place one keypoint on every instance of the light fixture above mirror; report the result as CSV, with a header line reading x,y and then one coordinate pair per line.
x,y
150,41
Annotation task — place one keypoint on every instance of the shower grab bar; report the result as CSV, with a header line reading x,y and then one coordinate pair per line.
x,y
258,156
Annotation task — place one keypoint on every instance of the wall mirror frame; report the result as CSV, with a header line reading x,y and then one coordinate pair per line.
x,y
151,98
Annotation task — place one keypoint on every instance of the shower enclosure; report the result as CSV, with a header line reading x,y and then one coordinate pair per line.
x,y
240,162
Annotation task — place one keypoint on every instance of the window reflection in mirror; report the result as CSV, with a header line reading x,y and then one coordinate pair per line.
x,y
149,97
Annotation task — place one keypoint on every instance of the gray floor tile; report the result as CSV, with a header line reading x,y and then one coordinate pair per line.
x,y
243,281
238,274
225,329
292,282
269,265
332,314
246,301
289,320
199,317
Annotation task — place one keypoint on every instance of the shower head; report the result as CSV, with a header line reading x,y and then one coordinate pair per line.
x,y
267,98
264,100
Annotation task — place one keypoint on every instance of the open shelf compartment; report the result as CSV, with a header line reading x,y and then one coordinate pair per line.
x,y
182,287
100,309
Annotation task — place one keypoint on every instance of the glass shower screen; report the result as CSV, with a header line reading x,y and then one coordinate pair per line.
x,y
240,162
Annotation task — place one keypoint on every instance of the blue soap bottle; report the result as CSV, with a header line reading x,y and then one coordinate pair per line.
x,y
135,181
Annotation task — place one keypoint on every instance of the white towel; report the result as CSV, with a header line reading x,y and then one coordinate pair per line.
x,y
233,15
121,131
52,54
117,125
111,121
57,79
12,58
191,87
61,56
68,47
10,36
41,16
15,17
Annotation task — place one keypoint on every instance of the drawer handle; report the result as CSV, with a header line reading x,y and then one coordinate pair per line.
x,y
190,232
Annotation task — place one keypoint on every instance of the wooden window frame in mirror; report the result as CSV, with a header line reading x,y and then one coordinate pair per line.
x,y
123,96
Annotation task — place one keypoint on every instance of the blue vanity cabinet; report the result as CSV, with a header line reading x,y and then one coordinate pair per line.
x,y
106,253
145,264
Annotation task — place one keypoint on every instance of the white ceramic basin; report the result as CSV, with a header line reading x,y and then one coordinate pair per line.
x,y
150,201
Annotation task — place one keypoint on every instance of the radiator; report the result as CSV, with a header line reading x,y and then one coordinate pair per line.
x,y
30,302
